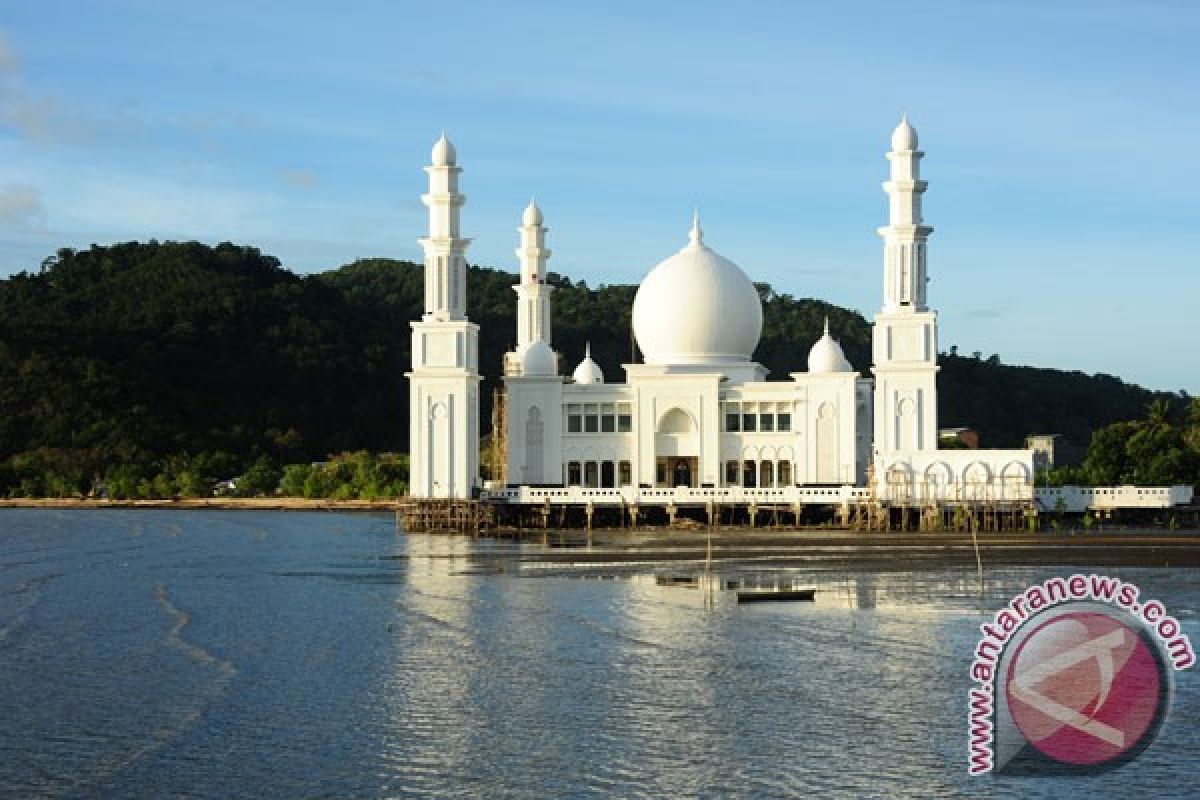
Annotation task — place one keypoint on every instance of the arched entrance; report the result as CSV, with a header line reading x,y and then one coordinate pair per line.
x,y
676,449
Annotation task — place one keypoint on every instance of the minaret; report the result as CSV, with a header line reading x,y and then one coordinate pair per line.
x,y
444,382
905,335
445,250
533,388
905,236
533,294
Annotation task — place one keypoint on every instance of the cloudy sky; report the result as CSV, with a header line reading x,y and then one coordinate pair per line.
x,y
1060,136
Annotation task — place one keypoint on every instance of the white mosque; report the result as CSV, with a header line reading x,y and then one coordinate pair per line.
x,y
697,420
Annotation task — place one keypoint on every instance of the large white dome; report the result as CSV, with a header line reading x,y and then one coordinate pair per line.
x,y
697,307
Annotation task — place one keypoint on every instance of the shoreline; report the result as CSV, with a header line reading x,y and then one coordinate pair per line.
x,y
824,548
812,547
211,503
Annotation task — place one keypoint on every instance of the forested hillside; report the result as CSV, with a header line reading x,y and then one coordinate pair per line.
x,y
190,363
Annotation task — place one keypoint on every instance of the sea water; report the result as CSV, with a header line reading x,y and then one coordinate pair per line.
x,y
262,654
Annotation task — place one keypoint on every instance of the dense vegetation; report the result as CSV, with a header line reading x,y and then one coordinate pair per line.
x,y
160,368
1161,448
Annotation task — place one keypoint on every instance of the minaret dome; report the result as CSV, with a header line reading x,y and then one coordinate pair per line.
x,y
443,152
904,137
532,215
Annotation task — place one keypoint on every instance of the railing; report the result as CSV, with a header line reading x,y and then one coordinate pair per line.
x,y
1073,499
680,495
1076,499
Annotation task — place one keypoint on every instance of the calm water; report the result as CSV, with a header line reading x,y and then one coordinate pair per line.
x,y
242,654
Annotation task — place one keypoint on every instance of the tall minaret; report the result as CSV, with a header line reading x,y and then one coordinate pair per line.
x,y
533,294
444,382
905,336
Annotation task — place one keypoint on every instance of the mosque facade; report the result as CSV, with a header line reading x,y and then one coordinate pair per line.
x,y
697,417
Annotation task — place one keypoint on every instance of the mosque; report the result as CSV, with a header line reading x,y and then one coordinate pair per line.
x,y
697,419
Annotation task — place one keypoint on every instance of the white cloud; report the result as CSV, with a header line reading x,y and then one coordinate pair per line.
x,y
21,208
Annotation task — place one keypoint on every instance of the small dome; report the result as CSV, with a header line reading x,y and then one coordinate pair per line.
x,y
697,307
588,372
904,137
827,356
537,359
532,215
443,153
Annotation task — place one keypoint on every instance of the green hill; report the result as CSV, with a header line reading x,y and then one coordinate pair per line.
x,y
185,358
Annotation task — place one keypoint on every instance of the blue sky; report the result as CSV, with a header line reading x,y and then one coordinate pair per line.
x,y
1060,137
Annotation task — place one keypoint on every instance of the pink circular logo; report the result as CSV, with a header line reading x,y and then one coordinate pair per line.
x,y
1085,688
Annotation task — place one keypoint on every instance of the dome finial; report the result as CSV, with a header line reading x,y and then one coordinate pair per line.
x,y
696,234
587,348
826,324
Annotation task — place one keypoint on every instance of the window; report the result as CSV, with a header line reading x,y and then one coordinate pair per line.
x,y
624,418
783,421
749,475
608,418
660,472
784,471
766,421
590,475
766,471
749,421
591,418
574,475
608,478
733,471
574,418
733,417
624,474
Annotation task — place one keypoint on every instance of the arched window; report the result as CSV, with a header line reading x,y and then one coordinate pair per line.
x,y
785,473
766,471
675,421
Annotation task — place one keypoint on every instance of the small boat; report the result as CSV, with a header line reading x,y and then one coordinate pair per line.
x,y
776,595
687,581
